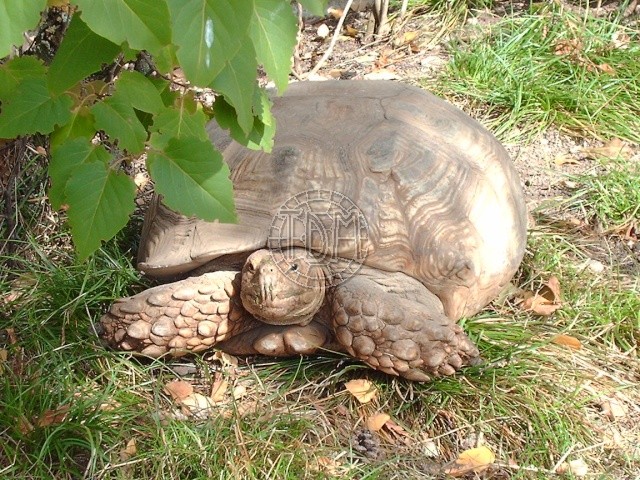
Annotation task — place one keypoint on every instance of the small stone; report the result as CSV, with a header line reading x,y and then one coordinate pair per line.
x,y
154,351
595,266
184,293
207,328
188,309
139,329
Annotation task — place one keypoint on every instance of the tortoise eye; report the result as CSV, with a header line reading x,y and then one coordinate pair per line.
x,y
294,267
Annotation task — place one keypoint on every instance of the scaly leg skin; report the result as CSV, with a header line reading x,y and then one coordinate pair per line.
x,y
398,335
280,340
187,316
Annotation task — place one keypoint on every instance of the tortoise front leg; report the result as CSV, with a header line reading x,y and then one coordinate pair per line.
x,y
187,316
397,335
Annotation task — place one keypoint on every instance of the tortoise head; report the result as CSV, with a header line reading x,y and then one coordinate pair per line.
x,y
283,287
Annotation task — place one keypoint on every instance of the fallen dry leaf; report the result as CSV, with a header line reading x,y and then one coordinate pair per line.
x,y
351,31
53,417
197,405
129,451
613,408
472,460
218,389
565,159
567,341
614,148
620,40
546,300
397,430
377,421
576,467
178,389
606,68
362,389
571,46
381,74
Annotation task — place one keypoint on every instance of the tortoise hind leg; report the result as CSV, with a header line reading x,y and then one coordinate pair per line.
x,y
187,316
395,334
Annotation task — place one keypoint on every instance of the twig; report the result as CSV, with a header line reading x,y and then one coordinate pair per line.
x,y
334,39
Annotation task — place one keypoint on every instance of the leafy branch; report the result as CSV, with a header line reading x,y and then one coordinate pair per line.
x,y
96,123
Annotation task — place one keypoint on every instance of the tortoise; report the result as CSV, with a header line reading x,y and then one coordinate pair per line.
x,y
381,217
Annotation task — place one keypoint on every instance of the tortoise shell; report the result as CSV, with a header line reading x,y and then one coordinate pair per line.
x,y
439,195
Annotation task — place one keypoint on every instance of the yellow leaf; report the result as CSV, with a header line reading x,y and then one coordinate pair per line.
x,y
567,341
472,460
409,37
377,421
362,389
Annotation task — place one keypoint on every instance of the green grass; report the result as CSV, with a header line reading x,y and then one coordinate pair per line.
x,y
551,68
71,409
611,195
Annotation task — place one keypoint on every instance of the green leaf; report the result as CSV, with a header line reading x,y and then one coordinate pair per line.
x,y
100,203
192,177
261,135
81,124
17,16
179,123
31,109
274,29
17,70
208,33
117,117
317,7
237,82
64,162
120,122
133,88
81,53
143,24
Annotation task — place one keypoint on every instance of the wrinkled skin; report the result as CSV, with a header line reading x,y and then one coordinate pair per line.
x,y
388,320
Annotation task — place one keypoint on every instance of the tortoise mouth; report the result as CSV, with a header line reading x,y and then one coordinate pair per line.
x,y
273,295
